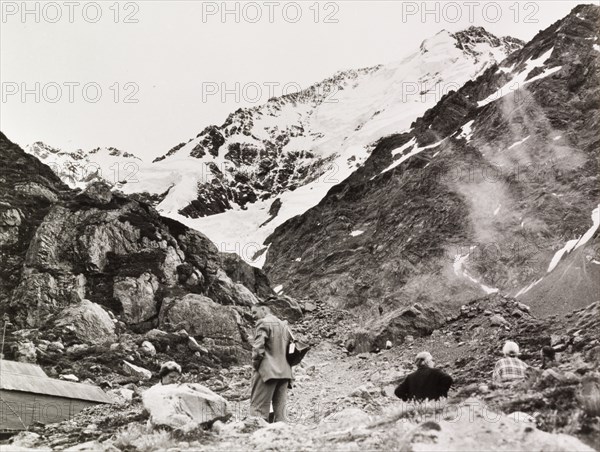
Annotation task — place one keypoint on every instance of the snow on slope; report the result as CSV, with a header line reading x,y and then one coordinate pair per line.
x,y
570,246
78,168
412,153
576,243
329,136
520,80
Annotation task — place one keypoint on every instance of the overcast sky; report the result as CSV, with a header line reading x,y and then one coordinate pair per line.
x,y
175,57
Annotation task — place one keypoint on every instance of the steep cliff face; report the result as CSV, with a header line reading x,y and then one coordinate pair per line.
x,y
477,197
60,247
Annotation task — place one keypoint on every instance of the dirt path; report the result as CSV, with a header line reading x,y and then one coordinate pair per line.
x,y
344,403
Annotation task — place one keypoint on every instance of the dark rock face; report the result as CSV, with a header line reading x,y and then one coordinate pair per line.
x,y
60,247
483,207
213,140
472,36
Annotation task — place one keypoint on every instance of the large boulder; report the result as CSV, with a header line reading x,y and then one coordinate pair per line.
x,y
137,296
225,291
285,308
40,295
241,272
200,316
184,406
88,322
396,326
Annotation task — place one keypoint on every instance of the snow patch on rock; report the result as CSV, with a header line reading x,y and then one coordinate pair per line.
x,y
519,80
576,243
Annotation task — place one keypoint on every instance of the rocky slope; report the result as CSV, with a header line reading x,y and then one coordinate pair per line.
x,y
342,401
85,267
494,189
236,182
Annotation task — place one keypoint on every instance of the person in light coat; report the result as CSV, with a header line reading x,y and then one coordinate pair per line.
x,y
272,373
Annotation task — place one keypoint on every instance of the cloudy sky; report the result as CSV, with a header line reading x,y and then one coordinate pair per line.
x,y
143,76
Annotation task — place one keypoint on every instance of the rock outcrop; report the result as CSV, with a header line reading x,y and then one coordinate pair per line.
x,y
70,258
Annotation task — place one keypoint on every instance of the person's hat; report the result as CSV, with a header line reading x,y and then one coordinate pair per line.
x,y
168,367
510,348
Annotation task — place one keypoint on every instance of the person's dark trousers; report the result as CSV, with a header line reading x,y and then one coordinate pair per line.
x,y
263,393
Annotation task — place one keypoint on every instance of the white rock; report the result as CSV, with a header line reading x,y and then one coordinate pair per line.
x,y
89,446
136,371
25,440
69,377
195,346
77,348
184,405
498,320
147,348
521,417
56,346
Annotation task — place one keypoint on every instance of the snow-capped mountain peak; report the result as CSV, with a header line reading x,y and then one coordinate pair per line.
x,y
238,181
78,168
293,149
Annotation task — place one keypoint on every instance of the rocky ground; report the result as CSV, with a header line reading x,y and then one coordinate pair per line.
x,y
344,401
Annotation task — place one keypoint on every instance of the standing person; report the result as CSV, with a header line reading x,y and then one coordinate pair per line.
x,y
426,382
272,372
509,368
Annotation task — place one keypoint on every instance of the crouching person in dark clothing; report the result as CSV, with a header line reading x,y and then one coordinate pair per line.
x,y
424,383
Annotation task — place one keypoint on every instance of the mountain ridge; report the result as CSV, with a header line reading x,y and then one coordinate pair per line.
x,y
468,201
